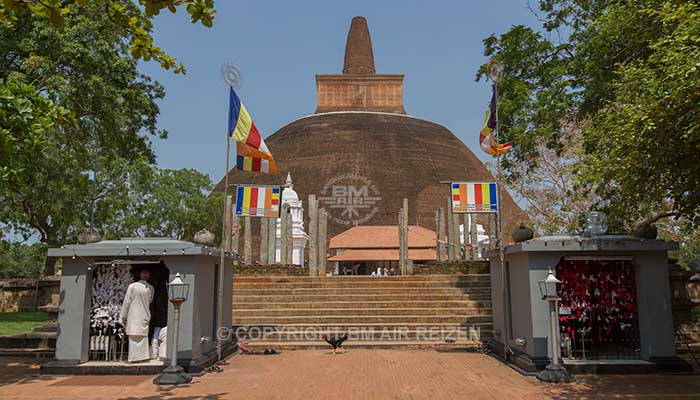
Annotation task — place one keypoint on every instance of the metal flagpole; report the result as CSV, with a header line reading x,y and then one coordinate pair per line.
x,y
231,75
494,72
222,275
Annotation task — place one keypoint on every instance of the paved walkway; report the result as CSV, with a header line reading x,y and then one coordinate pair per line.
x,y
358,374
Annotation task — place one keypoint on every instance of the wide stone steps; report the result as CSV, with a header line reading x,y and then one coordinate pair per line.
x,y
427,310
362,319
355,298
329,312
360,278
460,345
361,290
330,304
357,332
382,284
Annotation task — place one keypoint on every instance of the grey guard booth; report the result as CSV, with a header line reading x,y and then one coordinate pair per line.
x,y
528,263
197,264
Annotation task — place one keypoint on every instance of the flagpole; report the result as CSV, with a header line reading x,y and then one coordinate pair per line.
x,y
231,76
224,246
495,70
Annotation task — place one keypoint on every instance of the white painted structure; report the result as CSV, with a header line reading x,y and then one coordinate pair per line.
x,y
482,239
299,237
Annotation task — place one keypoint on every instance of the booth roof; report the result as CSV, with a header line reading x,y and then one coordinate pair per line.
x,y
134,247
601,243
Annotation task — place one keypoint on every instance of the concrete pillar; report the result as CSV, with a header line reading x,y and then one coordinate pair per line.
x,y
450,232
264,241
437,235
313,235
455,235
399,227
290,239
322,242
473,236
235,235
228,223
442,250
271,239
465,237
247,241
283,233
404,210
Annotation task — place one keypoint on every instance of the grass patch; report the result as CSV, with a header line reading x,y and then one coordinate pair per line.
x,y
21,322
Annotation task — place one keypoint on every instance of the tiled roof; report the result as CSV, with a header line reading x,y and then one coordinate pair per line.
x,y
382,237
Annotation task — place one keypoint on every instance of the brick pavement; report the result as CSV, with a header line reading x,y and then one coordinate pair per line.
x,y
358,374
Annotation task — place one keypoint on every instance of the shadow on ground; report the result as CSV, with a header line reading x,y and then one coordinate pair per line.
x,y
627,386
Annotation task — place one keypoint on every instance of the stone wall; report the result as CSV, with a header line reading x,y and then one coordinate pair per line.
x,y
20,294
468,267
270,270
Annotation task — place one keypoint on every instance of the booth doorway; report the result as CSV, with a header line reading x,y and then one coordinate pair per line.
x,y
598,309
107,340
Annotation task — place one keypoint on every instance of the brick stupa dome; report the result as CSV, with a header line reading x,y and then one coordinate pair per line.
x,y
361,154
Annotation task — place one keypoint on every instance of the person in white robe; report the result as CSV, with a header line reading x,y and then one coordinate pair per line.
x,y
162,343
136,313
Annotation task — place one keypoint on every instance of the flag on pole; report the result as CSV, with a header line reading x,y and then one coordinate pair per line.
x,y
251,152
253,160
258,201
486,135
474,197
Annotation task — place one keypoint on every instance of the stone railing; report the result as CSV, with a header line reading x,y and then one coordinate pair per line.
x,y
21,294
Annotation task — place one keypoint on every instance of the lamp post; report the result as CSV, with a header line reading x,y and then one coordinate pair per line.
x,y
555,371
174,374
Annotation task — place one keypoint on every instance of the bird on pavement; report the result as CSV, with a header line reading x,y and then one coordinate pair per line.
x,y
336,342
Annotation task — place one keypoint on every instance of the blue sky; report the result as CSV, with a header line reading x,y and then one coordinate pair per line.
x,y
280,46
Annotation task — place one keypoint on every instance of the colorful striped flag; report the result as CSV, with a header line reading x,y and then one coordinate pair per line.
x,y
474,197
258,201
252,160
251,152
487,139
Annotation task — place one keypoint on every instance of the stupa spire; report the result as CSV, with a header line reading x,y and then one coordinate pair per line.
x,y
359,58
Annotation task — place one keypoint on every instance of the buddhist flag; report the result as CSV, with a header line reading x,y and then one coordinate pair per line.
x,y
253,160
258,201
251,152
474,197
486,136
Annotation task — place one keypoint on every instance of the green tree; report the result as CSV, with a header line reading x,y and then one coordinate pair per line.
x,y
18,260
133,19
626,70
85,68
162,202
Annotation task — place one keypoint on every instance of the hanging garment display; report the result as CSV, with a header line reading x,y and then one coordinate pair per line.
x,y
600,297
109,286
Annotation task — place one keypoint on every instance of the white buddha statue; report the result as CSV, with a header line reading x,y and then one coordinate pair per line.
x,y
299,237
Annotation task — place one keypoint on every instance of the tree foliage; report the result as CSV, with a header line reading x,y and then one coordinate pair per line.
x,y
133,19
76,118
19,260
628,72
161,202
554,195
84,74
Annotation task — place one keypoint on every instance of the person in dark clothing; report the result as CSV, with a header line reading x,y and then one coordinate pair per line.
x,y
159,311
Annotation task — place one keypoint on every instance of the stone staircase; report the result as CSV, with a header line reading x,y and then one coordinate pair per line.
x,y
427,311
